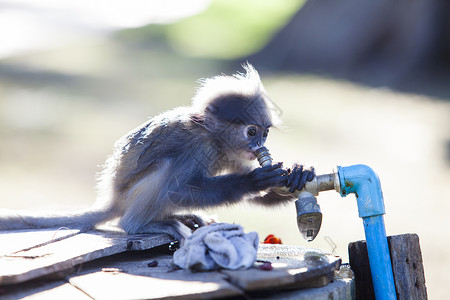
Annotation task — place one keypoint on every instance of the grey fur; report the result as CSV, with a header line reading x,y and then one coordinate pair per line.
x,y
187,158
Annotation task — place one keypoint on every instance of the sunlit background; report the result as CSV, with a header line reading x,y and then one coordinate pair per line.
x,y
355,82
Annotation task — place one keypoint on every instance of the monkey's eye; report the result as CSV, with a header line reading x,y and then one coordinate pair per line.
x,y
251,131
266,133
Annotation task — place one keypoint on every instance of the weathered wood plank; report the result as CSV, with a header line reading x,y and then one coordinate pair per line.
x,y
359,262
128,276
407,267
16,240
163,282
64,254
178,284
292,266
43,290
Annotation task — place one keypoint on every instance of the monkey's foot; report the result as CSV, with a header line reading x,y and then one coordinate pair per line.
x,y
172,227
192,221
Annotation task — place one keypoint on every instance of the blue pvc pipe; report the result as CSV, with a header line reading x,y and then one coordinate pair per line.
x,y
364,183
379,258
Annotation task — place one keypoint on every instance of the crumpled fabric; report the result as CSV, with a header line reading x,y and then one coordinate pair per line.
x,y
216,246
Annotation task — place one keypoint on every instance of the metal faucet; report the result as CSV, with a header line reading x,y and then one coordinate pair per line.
x,y
309,215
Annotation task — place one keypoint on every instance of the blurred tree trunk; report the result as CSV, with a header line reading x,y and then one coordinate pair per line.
x,y
383,40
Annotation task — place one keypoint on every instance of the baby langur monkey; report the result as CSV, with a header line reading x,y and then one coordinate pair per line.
x,y
187,158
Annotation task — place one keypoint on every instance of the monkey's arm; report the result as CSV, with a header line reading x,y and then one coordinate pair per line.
x,y
272,198
298,176
295,181
202,191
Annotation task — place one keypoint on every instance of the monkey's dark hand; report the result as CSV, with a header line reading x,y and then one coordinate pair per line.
x,y
266,177
297,177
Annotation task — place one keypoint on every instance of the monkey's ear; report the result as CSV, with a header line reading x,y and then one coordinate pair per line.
x,y
211,109
211,120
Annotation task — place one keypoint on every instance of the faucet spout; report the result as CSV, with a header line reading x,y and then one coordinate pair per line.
x,y
309,216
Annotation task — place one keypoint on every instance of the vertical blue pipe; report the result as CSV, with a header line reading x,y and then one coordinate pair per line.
x,y
364,183
379,259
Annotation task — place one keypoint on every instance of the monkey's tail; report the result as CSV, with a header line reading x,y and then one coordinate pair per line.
x,y
83,220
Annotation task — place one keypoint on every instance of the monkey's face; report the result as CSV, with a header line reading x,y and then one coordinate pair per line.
x,y
255,137
244,140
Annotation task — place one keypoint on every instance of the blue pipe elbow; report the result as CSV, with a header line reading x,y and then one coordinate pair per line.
x,y
365,184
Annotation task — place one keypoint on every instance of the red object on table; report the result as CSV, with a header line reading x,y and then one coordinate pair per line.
x,y
271,239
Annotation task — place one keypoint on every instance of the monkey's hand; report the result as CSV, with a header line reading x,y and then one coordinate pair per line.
x,y
297,177
266,177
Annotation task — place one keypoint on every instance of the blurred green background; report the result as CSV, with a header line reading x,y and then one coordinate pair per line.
x,y
64,100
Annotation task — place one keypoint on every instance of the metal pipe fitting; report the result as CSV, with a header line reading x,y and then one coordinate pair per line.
x,y
320,183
